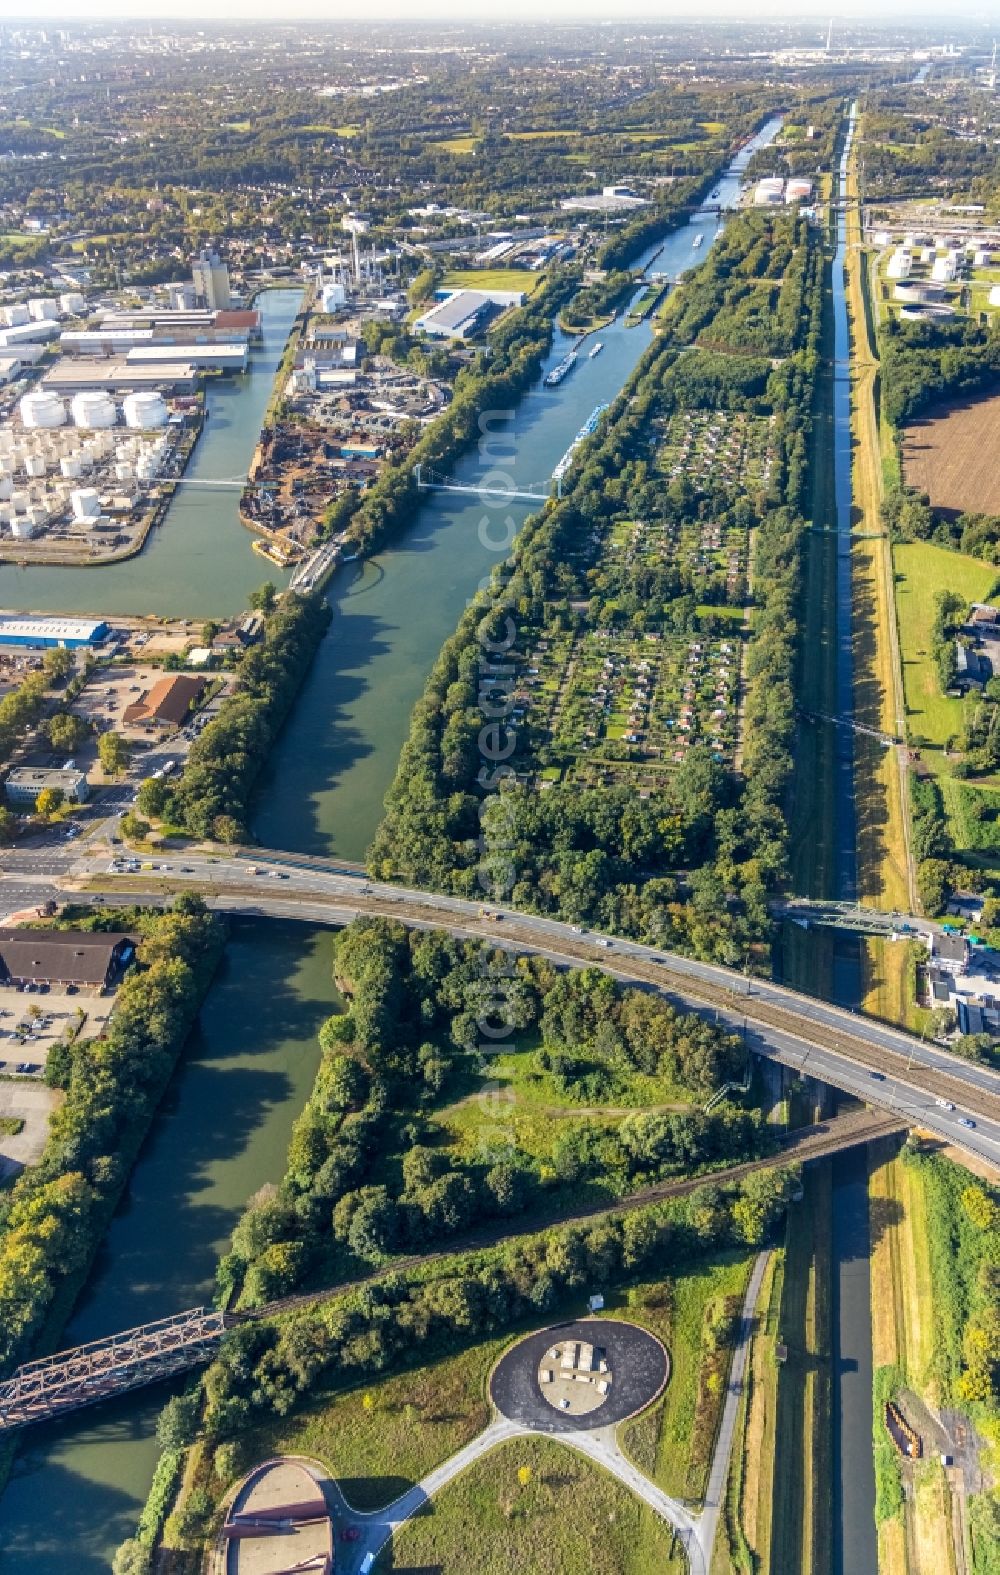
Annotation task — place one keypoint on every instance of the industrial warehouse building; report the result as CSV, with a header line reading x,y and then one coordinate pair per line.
x,y
59,957
464,313
43,633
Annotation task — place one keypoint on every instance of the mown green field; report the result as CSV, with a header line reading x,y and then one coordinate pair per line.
x,y
672,1441
534,1505
922,569
492,279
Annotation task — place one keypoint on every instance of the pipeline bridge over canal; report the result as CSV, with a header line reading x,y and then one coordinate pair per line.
x,y
133,1358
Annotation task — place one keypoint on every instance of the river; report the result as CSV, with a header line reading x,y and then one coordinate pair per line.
x,y
224,1129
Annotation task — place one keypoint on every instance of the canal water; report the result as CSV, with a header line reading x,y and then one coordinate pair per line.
x,y
198,563
855,1550
223,1132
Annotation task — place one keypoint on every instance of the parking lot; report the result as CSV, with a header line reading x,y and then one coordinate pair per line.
x,y
109,691
32,1104
31,1022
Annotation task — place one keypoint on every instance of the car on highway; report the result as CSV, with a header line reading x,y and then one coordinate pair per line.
x,y
966,1121
944,1104
879,1077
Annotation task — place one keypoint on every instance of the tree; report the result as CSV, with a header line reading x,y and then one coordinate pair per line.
x,y
132,1558
264,598
209,631
49,802
178,1421
57,663
524,1475
67,732
8,824
114,754
134,828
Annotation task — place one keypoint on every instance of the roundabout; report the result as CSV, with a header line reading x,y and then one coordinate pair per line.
x,y
575,1377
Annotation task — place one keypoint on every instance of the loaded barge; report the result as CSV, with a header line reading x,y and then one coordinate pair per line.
x,y
565,366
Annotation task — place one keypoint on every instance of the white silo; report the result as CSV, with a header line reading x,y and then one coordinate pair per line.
x,y
42,408
145,411
333,296
85,503
94,408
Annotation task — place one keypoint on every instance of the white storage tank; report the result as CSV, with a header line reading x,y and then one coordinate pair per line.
x,y
73,303
35,465
15,316
124,471
71,467
6,488
21,527
94,408
42,408
145,411
85,503
38,514
20,500
333,296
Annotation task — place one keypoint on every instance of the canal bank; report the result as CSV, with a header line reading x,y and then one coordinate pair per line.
x,y
855,1545
78,1488
323,788
222,1132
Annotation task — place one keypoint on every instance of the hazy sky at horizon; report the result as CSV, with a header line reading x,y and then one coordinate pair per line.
x,y
538,11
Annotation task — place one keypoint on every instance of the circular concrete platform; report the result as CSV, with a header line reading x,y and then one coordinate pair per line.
x,y
600,1372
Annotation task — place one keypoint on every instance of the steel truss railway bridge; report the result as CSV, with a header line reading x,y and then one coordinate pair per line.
x,y
133,1358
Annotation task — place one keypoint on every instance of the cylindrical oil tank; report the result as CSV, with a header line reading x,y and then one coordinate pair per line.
x,y
145,411
42,408
85,503
94,408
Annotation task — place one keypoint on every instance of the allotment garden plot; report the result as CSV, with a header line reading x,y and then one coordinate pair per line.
x,y
612,706
713,447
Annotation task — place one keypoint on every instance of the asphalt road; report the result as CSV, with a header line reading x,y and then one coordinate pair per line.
x,y
881,1065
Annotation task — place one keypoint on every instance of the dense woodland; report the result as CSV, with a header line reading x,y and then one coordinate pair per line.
x,y
372,1171
691,866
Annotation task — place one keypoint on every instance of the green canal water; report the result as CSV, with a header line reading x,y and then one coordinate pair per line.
x,y
222,1132
78,1487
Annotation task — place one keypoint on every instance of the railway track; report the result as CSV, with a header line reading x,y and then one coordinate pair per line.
x,y
811,1143
736,1007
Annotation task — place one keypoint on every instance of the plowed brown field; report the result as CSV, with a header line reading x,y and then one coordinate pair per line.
x,y
951,455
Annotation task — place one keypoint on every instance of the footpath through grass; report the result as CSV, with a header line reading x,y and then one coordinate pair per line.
x,y
673,1441
535,1505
